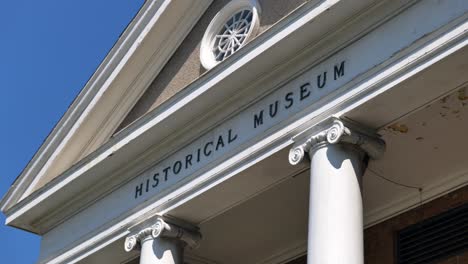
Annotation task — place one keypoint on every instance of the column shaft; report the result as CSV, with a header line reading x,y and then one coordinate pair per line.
x,y
338,157
161,251
335,206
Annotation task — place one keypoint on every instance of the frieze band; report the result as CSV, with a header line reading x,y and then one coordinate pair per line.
x,y
276,108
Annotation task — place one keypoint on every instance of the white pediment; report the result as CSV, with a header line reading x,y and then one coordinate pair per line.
x,y
135,60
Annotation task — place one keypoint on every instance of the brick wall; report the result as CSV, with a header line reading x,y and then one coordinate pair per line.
x,y
379,243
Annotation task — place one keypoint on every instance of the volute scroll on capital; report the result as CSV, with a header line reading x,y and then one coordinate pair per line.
x,y
339,132
162,229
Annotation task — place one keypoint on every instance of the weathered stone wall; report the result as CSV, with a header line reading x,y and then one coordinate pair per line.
x,y
379,246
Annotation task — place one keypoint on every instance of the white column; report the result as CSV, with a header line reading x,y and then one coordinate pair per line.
x,y
338,158
162,243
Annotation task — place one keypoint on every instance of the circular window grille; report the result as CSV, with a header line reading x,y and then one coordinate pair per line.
x,y
233,34
229,30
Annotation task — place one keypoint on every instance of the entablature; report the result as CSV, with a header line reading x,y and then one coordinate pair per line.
x,y
294,56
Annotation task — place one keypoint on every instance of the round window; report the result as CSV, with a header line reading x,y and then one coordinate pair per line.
x,y
229,30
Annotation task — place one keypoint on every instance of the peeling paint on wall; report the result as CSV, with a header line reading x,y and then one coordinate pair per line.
x,y
401,128
462,94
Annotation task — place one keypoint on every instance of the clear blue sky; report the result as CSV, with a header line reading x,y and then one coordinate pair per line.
x,y
48,50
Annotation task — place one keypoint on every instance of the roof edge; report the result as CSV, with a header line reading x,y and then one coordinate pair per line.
x,y
134,45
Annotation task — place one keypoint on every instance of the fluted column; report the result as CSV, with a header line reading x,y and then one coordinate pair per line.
x,y
338,159
162,243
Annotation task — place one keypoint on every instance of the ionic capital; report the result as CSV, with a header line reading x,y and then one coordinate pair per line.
x,y
162,229
338,132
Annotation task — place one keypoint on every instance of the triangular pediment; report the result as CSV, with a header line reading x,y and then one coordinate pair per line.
x,y
155,59
134,62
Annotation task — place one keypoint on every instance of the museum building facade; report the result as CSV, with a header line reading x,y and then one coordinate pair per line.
x,y
262,132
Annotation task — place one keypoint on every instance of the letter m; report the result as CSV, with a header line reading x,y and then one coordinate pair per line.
x,y
339,70
258,119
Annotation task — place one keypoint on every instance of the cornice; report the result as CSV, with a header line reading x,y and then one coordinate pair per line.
x,y
137,57
416,58
185,105
217,83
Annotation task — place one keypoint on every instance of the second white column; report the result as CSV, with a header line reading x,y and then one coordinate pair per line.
x,y
338,159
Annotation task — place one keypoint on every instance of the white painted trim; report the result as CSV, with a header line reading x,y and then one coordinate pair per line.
x,y
69,118
106,154
157,61
419,57
97,97
271,143
179,101
86,252
104,86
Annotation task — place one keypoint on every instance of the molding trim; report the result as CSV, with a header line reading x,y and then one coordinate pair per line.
x,y
103,102
179,101
279,139
397,69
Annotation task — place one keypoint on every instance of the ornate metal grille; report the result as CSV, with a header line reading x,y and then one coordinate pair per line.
x,y
233,34
435,238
